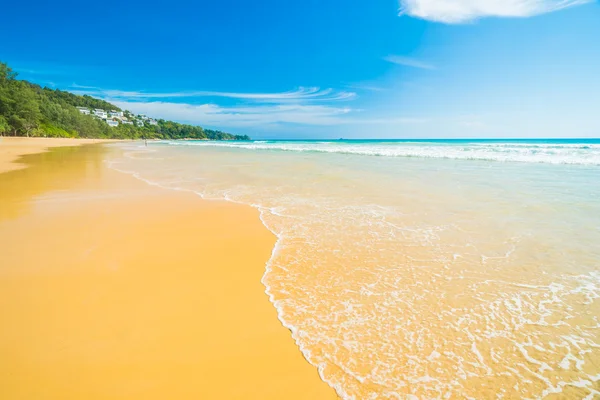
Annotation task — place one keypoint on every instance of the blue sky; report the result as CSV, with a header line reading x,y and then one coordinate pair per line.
x,y
312,69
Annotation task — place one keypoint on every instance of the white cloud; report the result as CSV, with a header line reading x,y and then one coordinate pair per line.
x,y
302,106
367,87
307,106
256,115
300,94
408,62
457,11
247,115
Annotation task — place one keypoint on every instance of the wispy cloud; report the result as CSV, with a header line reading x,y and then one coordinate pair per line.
x,y
408,62
366,87
460,11
308,106
258,115
246,115
80,87
299,94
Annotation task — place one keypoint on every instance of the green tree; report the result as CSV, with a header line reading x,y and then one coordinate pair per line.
x,y
4,126
25,112
6,73
29,109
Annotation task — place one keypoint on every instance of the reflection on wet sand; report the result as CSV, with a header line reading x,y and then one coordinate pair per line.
x,y
113,289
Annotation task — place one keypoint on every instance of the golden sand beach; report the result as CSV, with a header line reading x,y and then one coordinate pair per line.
x,y
113,289
12,148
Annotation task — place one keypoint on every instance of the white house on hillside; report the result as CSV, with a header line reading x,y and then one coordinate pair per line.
x,y
152,122
100,113
139,123
84,110
115,114
127,122
112,123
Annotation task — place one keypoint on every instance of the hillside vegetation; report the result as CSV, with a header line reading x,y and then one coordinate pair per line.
x,y
27,109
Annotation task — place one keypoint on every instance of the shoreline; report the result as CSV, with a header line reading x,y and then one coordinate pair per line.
x,y
245,353
305,352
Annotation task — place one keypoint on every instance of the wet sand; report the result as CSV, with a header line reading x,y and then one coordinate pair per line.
x,y
11,148
113,289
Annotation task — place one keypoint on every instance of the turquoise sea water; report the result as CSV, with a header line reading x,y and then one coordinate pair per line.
x,y
420,268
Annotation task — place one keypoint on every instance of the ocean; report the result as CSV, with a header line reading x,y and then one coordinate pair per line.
x,y
420,269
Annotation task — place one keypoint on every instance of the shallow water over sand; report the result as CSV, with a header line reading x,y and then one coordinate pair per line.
x,y
404,274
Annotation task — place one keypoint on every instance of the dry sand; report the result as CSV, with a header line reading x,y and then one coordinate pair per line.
x,y
112,289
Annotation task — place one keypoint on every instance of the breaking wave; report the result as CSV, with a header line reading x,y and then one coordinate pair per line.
x,y
527,152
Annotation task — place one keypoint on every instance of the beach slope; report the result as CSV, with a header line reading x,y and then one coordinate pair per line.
x,y
113,289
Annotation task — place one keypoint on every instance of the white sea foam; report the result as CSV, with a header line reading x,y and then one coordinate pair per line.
x,y
551,153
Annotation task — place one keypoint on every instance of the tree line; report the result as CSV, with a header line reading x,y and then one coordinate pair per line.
x,y
27,109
